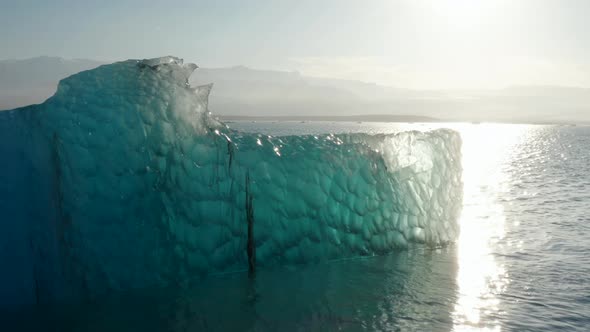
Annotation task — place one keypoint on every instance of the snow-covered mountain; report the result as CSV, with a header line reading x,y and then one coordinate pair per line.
x,y
241,92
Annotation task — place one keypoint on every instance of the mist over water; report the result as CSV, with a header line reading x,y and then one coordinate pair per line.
x,y
522,261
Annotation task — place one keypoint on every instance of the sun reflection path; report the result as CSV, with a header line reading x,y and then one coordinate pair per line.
x,y
480,278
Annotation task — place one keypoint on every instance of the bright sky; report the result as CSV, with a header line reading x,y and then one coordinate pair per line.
x,y
405,43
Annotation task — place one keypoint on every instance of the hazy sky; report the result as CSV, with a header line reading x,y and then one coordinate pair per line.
x,y
404,43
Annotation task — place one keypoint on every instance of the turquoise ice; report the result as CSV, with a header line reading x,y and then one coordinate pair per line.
x,y
123,179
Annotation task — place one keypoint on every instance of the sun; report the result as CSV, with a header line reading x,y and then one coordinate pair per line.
x,y
462,13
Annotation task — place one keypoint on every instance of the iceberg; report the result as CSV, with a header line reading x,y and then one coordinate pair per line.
x,y
123,179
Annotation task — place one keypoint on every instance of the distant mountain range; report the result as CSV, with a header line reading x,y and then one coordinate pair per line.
x,y
31,81
245,93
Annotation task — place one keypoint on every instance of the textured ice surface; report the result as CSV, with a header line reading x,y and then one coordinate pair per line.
x,y
122,179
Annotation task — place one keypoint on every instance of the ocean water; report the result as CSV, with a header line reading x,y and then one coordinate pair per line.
x,y
521,263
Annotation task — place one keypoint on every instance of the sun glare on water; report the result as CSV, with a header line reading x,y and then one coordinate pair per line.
x,y
481,277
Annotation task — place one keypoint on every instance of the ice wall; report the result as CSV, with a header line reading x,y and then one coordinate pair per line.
x,y
122,180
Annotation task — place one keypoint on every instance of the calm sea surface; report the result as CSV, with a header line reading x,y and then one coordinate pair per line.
x,y
522,262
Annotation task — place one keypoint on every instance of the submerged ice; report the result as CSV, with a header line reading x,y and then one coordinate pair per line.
x,y
123,180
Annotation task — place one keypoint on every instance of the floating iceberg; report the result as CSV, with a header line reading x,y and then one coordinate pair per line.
x,y
123,180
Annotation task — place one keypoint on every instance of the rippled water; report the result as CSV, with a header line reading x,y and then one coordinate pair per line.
x,y
522,261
